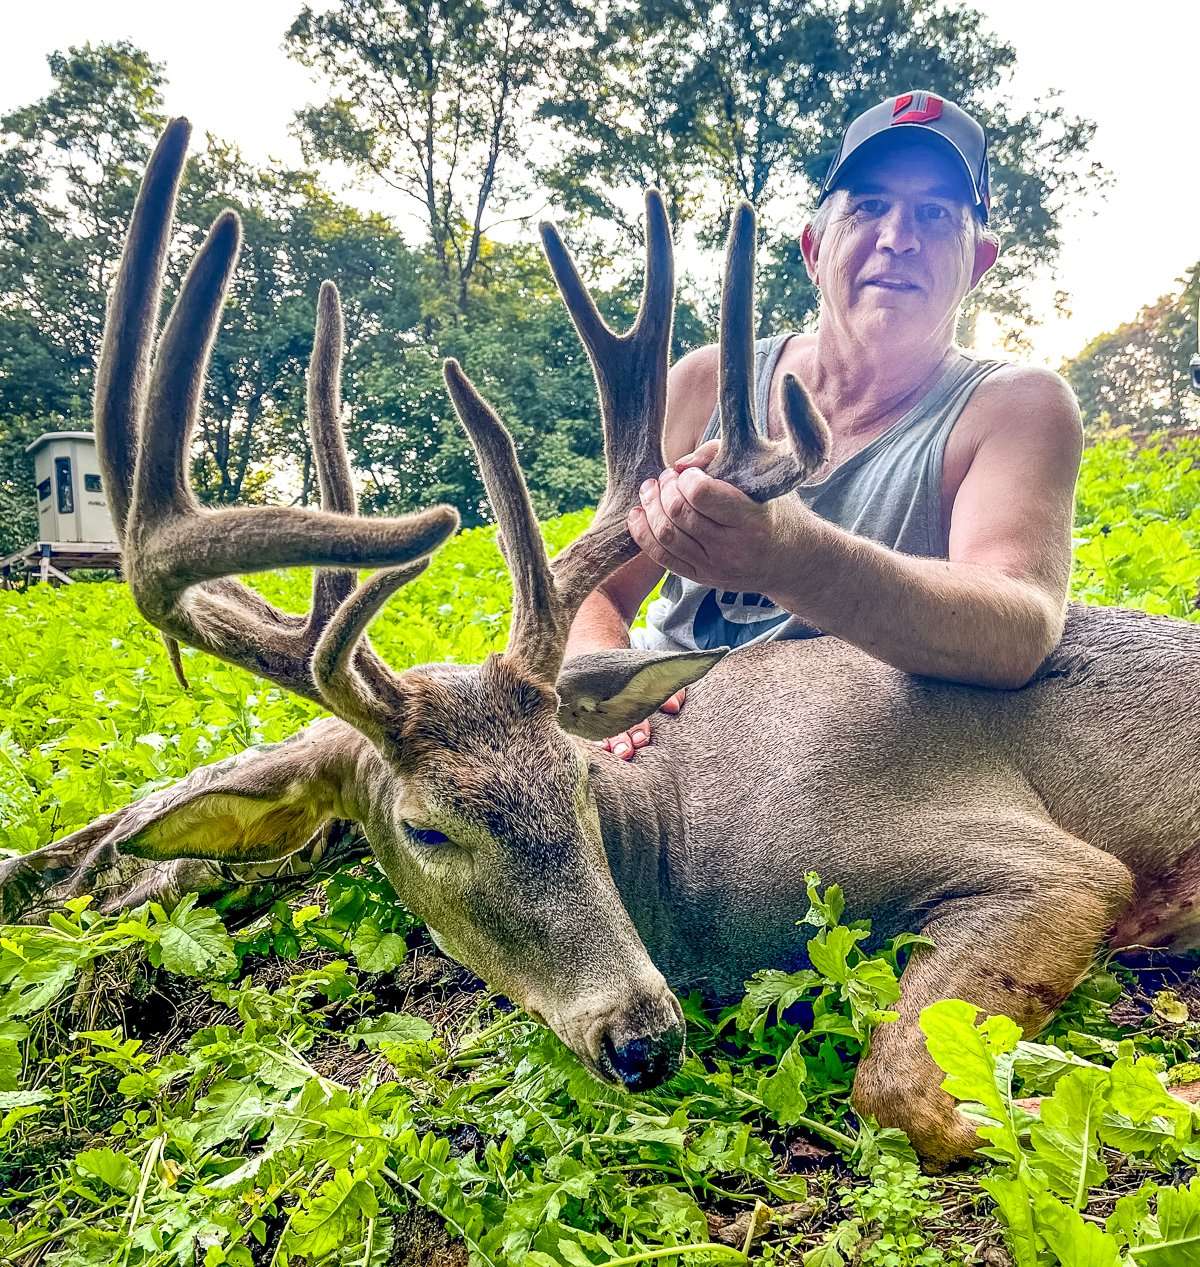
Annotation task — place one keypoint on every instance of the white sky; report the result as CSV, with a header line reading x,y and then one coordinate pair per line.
x,y
1130,67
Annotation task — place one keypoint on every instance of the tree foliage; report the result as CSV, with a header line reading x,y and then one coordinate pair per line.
x,y
433,97
1137,375
718,103
473,111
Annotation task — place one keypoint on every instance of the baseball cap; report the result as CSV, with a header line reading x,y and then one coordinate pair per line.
x,y
936,117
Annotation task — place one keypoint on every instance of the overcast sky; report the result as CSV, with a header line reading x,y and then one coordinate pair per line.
x,y
1130,67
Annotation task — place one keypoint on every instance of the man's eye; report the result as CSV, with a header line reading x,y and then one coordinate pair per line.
x,y
426,836
935,212
871,206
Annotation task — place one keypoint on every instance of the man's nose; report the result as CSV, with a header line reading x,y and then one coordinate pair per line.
x,y
898,232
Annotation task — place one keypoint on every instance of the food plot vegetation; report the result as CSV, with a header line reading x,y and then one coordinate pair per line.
x,y
323,1088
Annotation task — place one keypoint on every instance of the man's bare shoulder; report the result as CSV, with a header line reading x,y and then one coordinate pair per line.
x,y
1023,404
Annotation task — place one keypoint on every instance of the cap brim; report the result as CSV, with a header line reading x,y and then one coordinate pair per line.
x,y
880,139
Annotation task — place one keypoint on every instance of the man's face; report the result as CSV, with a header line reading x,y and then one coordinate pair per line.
x,y
899,251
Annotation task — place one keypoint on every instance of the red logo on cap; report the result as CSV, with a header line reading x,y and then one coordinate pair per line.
x,y
925,108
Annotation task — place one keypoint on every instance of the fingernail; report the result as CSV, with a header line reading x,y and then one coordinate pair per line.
x,y
620,749
647,485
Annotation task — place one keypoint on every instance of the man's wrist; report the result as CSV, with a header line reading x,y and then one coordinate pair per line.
x,y
808,563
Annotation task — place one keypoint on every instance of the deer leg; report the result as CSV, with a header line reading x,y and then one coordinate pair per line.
x,y
1017,947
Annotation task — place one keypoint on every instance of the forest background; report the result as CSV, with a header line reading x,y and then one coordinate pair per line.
x,y
482,116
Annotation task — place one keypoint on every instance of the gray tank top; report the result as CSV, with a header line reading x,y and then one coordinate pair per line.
x,y
890,491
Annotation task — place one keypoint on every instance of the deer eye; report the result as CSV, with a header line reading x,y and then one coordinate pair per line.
x,y
426,836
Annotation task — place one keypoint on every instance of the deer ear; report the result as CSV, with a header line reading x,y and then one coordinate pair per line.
x,y
603,693
258,806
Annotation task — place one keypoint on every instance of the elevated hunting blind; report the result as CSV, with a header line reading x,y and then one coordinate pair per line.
x,y
70,493
75,529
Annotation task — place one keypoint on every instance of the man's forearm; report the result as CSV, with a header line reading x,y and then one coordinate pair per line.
x,y
598,626
961,621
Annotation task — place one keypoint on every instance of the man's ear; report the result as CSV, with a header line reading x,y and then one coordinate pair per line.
x,y
810,248
605,692
987,249
258,806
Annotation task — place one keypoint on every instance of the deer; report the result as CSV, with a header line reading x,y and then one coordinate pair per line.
x,y
1019,831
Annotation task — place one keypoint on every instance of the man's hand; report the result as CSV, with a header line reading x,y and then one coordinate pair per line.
x,y
626,744
712,533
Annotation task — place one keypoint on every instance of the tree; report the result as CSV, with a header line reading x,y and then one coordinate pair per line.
x,y
66,190
67,169
433,97
748,100
1137,375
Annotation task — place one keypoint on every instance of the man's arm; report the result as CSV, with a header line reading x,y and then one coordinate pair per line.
x,y
989,615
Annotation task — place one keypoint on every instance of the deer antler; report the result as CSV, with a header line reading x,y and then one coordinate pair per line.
x,y
763,469
631,380
180,557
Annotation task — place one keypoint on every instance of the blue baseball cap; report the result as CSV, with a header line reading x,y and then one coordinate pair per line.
x,y
937,118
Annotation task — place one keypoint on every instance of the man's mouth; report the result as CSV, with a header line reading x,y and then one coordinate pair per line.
x,y
892,283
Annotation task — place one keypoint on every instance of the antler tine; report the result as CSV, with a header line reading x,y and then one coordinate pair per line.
x,y
761,468
124,366
325,405
188,545
631,379
331,586
537,634
374,706
736,369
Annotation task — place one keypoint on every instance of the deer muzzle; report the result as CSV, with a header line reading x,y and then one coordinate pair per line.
x,y
635,1039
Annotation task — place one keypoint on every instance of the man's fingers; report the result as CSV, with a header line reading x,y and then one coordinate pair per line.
x,y
629,741
714,499
652,548
700,457
672,535
684,516
674,703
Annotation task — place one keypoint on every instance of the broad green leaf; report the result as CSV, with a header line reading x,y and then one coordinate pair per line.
x,y
824,910
1064,1137
333,1218
109,1167
1012,1198
19,1099
377,951
389,1027
1176,1241
829,951
1038,1066
1074,1242
193,942
967,1055
229,1107
1137,1093
782,1091
772,989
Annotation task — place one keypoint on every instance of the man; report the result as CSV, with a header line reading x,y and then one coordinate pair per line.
x,y
938,536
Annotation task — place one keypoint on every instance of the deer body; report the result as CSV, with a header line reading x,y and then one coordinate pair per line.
x,y
906,792
1016,830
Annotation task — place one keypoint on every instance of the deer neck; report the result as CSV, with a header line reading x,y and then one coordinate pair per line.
x,y
646,840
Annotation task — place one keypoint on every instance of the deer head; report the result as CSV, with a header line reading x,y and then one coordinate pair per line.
x,y
475,799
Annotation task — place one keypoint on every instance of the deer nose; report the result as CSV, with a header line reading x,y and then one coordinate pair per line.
x,y
646,1061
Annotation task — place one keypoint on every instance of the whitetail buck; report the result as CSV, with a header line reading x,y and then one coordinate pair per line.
x,y
1019,830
